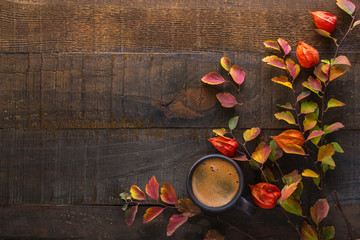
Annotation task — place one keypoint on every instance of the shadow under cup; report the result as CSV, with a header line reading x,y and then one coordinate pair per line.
x,y
215,183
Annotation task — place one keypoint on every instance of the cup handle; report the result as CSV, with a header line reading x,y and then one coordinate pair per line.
x,y
245,206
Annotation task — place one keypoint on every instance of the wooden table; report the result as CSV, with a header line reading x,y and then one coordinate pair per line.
x,y
97,95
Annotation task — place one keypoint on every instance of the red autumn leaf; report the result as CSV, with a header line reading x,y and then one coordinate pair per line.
x,y
265,195
346,5
241,158
315,84
261,153
274,61
319,211
284,46
272,44
324,20
213,78
225,63
319,73
176,221
186,206
151,213
136,193
308,232
130,215
333,127
283,81
226,99
226,146
237,74
168,194
289,137
293,68
307,55
152,188
315,133
251,134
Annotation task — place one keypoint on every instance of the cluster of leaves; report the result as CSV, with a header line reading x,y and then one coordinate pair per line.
x,y
305,113
169,199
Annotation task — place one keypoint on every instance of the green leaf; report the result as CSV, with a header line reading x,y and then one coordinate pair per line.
x,y
334,103
308,232
317,182
327,232
319,211
251,134
272,44
284,46
298,191
302,96
124,207
286,116
337,147
225,63
325,151
233,122
308,107
309,121
315,140
226,99
309,173
213,78
346,5
333,127
283,81
123,195
276,151
329,161
287,106
293,206
275,61
269,175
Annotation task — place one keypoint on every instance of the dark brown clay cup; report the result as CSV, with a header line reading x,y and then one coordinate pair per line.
x,y
215,184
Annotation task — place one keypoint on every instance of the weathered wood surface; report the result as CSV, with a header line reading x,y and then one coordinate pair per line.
x,y
97,95
107,222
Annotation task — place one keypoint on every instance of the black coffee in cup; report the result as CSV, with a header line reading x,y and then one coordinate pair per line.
x,y
215,182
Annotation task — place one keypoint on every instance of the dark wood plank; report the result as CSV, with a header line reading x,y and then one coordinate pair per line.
x,y
94,166
59,91
107,222
153,26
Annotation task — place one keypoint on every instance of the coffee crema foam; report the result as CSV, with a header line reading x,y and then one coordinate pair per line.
x,y
215,182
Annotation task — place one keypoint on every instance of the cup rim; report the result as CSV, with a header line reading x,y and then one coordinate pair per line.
x,y
203,206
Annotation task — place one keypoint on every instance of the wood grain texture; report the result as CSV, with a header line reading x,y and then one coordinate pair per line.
x,y
94,166
107,222
153,26
57,91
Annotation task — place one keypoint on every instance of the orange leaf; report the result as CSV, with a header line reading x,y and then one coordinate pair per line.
x,y
152,188
287,191
294,149
185,205
325,151
168,194
283,81
176,221
261,153
336,72
136,193
289,137
151,213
